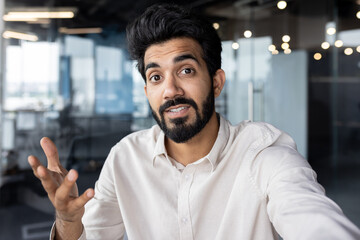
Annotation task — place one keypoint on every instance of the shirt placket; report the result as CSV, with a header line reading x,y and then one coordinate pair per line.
x,y
184,215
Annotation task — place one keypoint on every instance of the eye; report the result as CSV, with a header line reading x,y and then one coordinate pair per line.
x,y
187,71
155,78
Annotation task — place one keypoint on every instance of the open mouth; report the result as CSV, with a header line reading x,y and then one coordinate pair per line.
x,y
177,111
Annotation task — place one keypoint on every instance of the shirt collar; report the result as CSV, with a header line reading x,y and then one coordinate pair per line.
x,y
215,153
160,146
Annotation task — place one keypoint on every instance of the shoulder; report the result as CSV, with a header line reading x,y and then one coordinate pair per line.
x,y
266,142
271,153
257,130
256,136
247,139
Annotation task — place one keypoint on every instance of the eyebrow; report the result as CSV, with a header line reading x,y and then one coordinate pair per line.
x,y
151,65
185,57
176,60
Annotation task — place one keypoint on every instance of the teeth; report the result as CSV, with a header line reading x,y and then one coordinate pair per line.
x,y
177,109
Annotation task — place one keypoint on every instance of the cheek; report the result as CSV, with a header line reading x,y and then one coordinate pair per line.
x,y
200,92
152,101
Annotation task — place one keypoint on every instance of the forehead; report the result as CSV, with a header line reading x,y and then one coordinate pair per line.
x,y
171,48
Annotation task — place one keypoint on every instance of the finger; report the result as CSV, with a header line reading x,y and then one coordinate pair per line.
x,y
51,153
65,191
34,164
79,202
47,181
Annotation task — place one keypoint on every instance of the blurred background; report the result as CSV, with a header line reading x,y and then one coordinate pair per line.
x,y
65,73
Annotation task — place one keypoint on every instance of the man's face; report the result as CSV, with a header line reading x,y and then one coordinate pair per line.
x,y
179,88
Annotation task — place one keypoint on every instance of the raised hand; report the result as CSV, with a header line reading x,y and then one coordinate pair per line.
x,y
62,191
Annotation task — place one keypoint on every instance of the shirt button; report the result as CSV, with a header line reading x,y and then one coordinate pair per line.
x,y
184,220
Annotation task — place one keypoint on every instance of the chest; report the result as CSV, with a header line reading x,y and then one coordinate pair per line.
x,y
195,203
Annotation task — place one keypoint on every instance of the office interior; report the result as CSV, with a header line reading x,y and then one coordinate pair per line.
x,y
65,73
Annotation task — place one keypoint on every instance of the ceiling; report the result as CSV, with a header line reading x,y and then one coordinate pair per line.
x,y
104,13
113,15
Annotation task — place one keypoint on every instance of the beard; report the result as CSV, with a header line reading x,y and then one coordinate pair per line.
x,y
182,131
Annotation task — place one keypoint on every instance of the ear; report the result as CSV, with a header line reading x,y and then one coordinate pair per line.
x,y
145,90
219,82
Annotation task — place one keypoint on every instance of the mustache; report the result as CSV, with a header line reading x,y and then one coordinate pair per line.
x,y
177,101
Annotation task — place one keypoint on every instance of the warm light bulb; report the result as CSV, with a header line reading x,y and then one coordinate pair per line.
x,y
338,43
275,52
348,51
235,45
272,48
317,56
286,38
247,34
285,46
358,49
325,45
281,5
216,26
331,30
287,51
358,14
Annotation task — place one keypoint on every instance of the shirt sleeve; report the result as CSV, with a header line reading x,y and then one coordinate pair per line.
x,y
52,234
102,218
297,204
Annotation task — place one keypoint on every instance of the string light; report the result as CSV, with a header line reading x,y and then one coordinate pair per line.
x,y
358,14
358,49
275,52
325,45
235,45
287,51
286,38
272,48
331,31
247,34
285,45
281,5
317,56
339,43
216,26
348,51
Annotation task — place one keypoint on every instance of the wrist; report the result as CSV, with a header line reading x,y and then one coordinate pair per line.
x,y
68,230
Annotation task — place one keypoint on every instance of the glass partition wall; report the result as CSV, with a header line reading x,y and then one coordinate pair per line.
x,y
68,76
296,64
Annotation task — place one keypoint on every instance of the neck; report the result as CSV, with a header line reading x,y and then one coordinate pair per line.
x,y
197,147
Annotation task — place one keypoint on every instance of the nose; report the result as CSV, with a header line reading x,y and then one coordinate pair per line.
x,y
172,88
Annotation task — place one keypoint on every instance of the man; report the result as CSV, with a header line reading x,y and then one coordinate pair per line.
x,y
194,176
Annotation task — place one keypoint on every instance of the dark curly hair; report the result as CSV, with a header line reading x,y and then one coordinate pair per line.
x,y
162,22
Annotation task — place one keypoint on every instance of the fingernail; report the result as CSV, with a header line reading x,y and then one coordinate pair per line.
x,y
89,194
71,176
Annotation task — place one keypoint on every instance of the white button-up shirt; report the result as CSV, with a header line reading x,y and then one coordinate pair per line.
x,y
252,185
